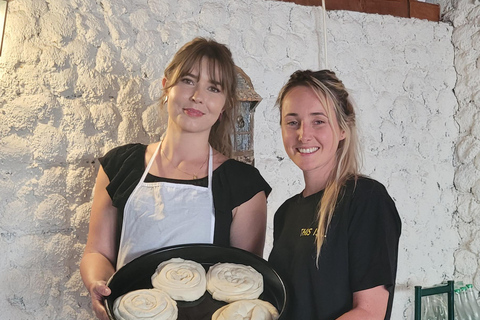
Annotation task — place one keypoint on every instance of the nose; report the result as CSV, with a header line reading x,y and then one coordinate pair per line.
x,y
197,96
304,133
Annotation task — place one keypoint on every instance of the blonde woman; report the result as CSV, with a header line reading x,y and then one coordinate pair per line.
x,y
184,188
335,243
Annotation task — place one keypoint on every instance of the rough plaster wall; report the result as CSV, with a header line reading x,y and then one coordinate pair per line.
x,y
80,77
402,80
466,39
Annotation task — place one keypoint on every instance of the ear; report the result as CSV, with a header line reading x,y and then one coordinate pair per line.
x,y
164,82
342,134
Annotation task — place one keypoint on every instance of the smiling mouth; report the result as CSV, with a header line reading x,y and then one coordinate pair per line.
x,y
307,150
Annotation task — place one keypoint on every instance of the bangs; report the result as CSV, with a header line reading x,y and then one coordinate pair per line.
x,y
215,73
218,68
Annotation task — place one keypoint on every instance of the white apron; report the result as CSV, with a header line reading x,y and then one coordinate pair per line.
x,y
160,214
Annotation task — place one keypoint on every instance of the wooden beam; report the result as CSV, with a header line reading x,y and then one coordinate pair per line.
x,y
398,8
423,10
350,5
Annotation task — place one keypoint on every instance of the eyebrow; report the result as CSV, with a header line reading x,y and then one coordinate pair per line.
x,y
189,74
215,82
293,114
197,77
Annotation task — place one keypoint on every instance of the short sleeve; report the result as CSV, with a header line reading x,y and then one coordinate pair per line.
x,y
374,233
124,167
238,182
234,183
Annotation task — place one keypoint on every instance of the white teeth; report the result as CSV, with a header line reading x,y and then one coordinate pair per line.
x,y
307,150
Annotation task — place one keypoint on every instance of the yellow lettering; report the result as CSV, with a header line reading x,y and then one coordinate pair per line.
x,y
305,232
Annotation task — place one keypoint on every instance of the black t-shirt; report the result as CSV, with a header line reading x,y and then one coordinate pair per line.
x,y
359,252
233,183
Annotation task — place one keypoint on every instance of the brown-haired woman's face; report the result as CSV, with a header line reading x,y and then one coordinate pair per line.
x,y
196,101
310,137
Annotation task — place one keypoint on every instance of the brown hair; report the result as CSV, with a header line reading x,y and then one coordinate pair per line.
x,y
332,93
220,60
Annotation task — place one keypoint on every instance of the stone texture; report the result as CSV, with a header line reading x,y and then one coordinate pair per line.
x,y
464,17
78,78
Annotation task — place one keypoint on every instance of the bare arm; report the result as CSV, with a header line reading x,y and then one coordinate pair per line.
x,y
98,259
368,304
249,224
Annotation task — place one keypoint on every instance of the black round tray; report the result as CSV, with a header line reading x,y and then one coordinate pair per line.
x,y
137,275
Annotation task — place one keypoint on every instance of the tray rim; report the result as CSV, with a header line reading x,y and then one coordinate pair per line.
x,y
199,246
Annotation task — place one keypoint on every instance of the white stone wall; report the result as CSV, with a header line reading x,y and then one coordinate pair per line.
x,y
80,77
466,39
402,80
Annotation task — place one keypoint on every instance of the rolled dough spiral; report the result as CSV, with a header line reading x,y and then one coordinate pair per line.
x,y
231,282
182,279
247,310
152,304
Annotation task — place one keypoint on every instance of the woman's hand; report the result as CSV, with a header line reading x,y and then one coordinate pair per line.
x,y
98,292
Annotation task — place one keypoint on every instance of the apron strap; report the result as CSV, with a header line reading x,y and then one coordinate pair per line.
x,y
210,168
147,169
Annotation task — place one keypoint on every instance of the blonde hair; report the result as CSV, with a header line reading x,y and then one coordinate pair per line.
x,y
332,93
220,62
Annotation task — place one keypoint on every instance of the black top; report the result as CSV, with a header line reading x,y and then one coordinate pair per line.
x,y
359,251
233,183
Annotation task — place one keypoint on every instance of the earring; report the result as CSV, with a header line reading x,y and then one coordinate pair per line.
x,y
165,100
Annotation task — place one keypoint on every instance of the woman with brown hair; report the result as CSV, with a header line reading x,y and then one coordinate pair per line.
x,y
335,243
184,188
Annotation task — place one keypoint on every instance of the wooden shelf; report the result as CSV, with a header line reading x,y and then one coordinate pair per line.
x,y
398,8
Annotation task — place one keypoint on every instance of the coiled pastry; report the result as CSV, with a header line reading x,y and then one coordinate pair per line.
x,y
183,280
247,310
231,282
152,304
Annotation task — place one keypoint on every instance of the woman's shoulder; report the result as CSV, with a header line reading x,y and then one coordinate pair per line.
x,y
234,167
120,155
240,177
294,200
126,150
363,185
370,196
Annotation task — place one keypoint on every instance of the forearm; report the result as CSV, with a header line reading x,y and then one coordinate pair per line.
x,y
99,256
368,304
95,267
359,314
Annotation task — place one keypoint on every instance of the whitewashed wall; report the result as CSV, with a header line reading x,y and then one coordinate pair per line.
x,y
80,77
466,39
400,73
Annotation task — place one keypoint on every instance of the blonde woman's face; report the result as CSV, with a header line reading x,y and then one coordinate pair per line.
x,y
310,137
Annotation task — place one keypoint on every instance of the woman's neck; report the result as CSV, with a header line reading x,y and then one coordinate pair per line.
x,y
185,146
314,182
181,156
